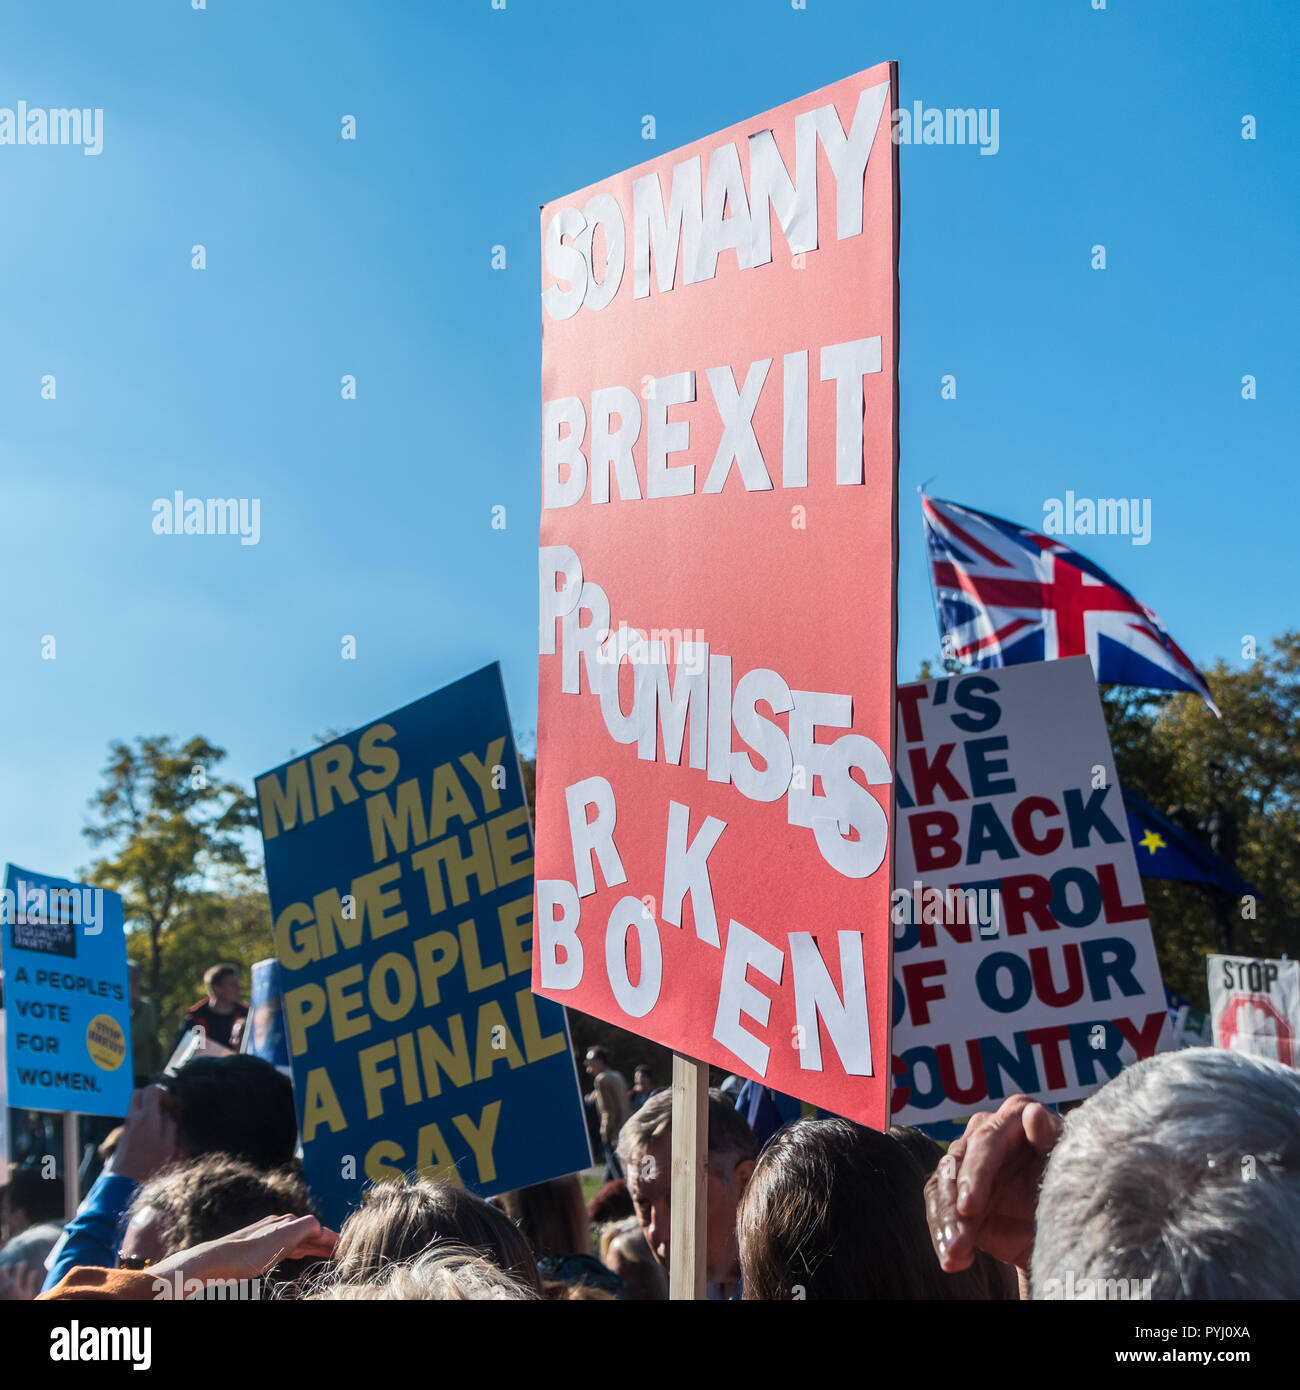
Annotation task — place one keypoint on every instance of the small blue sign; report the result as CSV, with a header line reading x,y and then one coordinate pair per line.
x,y
66,998
264,1034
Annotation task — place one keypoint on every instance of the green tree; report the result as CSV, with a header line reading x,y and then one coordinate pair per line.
x,y
175,837
232,928
1173,752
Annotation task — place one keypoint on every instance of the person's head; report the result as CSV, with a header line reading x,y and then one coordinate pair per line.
x,y
597,1061
189,1203
1183,1171
837,1211
551,1216
447,1272
28,1199
402,1218
642,1079
611,1203
645,1148
237,1105
222,983
624,1251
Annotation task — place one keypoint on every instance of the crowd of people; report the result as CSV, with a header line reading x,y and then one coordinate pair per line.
x,y
1179,1179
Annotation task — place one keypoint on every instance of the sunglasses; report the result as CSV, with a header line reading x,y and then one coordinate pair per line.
x,y
133,1262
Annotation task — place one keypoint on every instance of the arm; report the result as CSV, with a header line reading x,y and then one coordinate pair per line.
x,y
147,1144
241,1255
91,1237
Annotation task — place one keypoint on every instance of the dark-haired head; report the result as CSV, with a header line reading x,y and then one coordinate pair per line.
x,y
835,1210
237,1105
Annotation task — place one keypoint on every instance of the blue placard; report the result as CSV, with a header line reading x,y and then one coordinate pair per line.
x,y
264,1034
399,862
67,1002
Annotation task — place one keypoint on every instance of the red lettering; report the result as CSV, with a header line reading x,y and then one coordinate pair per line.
x,y
1027,895
1022,823
899,1095
909,698
1040,965
934,840
1144,1039
1048,1041
1113,907
978,1087
927,778
918,992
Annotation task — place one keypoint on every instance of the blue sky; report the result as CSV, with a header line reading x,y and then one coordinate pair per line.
x,y
373,257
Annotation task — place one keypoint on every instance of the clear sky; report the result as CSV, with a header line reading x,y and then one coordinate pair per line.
x,y
372,257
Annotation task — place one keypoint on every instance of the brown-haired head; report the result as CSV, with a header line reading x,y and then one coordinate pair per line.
x,y
403,1218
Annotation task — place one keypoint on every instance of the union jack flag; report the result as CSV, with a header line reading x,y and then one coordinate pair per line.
x,y
1006,595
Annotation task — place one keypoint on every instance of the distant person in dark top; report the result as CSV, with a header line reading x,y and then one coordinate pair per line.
x,y
221,1011
554,1222
643,1087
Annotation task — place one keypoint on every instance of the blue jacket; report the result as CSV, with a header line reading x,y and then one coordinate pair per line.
x,y
94,1234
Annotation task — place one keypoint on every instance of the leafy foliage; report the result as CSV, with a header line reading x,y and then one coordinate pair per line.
x,y
1172,751
177,851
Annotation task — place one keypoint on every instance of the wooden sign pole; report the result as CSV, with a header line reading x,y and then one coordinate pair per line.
x,y
686,1267
71,1164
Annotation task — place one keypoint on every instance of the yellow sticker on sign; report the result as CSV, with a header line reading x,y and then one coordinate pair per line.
x,y
106,1042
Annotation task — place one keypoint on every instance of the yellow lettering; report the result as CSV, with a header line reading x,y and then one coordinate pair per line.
x,y
343,1006
373,1079
480,1138
331,772
433,1158
454,1060
435,956
382,761
476,978
516,920
396,824
448,800
379,1171
411,1094
320,1105
284,806
486,1055
536,1047
292,950
512,857
379,891
459,870
304,1007
332,928
381,1001
481,772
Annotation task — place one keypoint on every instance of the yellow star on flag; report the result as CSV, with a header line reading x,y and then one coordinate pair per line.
x,y
1152,842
